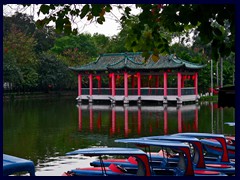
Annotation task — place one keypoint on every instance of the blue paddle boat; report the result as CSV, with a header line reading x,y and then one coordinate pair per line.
x,y
198,159
219,150
142,169
13,165
184,155
214,148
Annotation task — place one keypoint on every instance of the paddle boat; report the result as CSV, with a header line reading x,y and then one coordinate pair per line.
x,y
184,167
215,146
197,157
184,155
13,165
141,158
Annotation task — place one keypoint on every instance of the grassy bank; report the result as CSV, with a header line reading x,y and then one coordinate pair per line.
x,y
209,98
35,95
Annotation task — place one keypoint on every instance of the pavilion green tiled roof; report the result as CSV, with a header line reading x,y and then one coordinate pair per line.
x,y
135,61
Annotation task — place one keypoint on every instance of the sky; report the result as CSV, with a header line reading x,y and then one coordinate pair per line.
x,y
109,28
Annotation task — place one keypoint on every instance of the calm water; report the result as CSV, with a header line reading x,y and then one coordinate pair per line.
x,y
43,130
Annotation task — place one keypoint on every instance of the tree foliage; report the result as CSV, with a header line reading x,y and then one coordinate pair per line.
x,y
75,49
26,66
20,59
54,74
145,34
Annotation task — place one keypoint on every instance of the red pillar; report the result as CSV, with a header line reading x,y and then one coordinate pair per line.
x,y
125,84
179,84
79,84
113,85
90,84
196,83
165,83
139,83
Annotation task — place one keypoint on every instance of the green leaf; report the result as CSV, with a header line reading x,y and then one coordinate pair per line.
x,y
96,9
59,25
217,32
215,54
44,9
67,28
127,11
39,23
99,20
134,43
75,31
146,55
84,11
108,8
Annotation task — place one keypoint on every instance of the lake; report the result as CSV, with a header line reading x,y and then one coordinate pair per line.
x,y
43,130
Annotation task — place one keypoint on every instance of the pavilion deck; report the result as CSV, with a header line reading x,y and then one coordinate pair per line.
x,y
147,94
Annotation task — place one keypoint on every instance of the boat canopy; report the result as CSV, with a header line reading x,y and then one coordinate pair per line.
x,y
107,151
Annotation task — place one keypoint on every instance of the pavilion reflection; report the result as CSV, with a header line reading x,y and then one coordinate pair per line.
x,y
140,120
